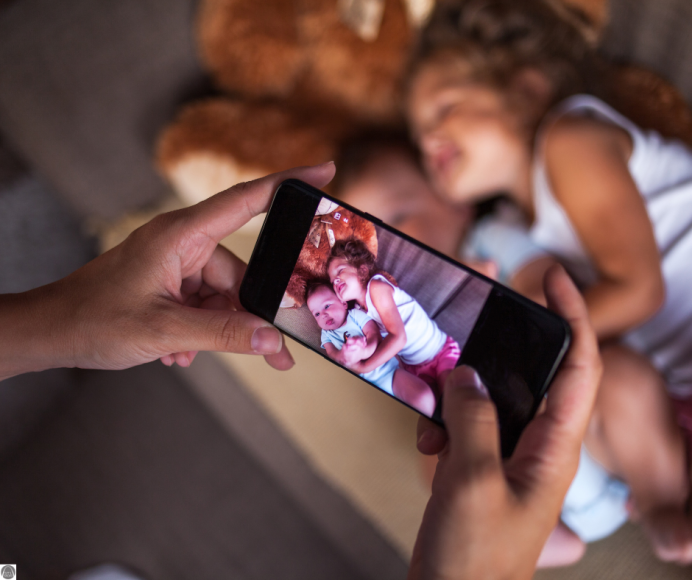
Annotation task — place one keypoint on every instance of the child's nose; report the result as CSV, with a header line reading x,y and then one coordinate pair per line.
x,y
431,141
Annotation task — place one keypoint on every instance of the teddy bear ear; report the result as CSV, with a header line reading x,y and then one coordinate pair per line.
x,y
326,206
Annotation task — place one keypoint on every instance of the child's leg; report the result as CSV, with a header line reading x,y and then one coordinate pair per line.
x,y
563,548
634,434
413,391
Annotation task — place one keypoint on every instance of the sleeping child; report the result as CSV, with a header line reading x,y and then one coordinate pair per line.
x,y
423,348
351,336
499,245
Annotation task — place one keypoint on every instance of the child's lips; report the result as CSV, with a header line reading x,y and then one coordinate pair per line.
x,y
443,159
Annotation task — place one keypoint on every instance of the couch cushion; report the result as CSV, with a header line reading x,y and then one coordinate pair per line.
x,y
85,87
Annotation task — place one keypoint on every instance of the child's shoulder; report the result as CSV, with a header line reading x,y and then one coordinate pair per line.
x,y
571,133
586,125
359,316
577,145
379,283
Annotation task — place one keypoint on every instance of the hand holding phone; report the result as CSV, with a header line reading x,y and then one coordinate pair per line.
x,y
431,313
489,518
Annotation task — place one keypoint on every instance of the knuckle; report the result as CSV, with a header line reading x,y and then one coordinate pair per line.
x,y
479,411
477,484
231,336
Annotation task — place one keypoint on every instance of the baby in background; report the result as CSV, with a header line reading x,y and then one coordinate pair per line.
x,y
351,336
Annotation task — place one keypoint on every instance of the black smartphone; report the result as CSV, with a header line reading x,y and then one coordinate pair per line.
x,y
395,312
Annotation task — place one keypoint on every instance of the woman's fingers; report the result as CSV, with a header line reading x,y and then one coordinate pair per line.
x,y
224,273
471,421
574,389
431,437
184,329
282,361
222,214
548,451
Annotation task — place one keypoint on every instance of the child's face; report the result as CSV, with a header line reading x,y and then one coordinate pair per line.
x,y
345,279
473,144
393,188
329,312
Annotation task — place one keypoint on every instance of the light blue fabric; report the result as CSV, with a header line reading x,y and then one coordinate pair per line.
x,y
353,326
382,377
596,502
502,237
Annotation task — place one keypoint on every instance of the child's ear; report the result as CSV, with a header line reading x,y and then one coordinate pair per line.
x,y
533,91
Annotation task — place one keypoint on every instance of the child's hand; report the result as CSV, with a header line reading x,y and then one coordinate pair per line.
x,y
353,350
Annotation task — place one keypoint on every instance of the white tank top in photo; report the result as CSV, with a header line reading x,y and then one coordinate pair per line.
x,y
662,171
424,339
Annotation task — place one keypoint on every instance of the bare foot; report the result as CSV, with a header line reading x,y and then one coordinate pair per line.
x,y
563,548
670,533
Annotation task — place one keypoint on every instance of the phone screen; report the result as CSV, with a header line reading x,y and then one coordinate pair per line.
x,y
396,313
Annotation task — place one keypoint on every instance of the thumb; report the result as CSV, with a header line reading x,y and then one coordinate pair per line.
x,y
471,420
223,213
191,329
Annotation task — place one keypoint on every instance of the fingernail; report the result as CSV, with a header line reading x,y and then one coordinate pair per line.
x,y
325,163
425,436
468,377
482,389
266,340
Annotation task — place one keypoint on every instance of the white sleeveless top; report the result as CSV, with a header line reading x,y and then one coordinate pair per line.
x,y
424,339
662,171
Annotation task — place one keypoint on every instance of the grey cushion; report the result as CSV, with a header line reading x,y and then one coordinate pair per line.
x,y
135,470
41,242
85,88
655,33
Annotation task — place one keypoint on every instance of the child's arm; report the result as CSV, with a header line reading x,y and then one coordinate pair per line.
x,y
382,296
368,343
587,167
332,352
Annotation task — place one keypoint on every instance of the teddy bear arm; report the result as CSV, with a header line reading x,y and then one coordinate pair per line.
x,y
254,56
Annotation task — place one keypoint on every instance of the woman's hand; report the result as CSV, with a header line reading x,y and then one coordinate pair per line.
x,y
487,518
168,291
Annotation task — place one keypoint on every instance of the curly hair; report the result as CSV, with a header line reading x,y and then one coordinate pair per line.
x,y
356,253
497,38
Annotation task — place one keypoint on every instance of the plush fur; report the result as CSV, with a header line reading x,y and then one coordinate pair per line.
x,y
295,82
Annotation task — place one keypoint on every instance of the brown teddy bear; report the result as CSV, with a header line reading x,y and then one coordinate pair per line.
x,y
298,76
330,224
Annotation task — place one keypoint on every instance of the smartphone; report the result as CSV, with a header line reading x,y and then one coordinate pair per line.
x,y
348,286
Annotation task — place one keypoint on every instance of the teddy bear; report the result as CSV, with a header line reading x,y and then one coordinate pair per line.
x,y
330,224
295,77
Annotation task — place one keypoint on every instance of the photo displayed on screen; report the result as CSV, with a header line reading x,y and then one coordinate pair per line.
x,y
384,308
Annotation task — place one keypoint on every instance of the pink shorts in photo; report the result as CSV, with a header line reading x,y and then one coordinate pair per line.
x,y
445,360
